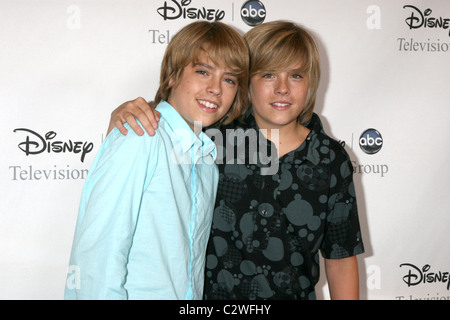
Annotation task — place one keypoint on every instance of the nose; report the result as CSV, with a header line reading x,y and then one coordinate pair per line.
x,y
282,86
215,87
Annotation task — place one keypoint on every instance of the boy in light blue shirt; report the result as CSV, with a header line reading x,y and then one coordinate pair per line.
x,y
146,207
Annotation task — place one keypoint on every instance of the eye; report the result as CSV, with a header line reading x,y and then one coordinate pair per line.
x,y
231,81
268,75
297,76
202,72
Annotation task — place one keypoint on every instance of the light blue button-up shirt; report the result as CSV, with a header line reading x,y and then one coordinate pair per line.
x,y
145,215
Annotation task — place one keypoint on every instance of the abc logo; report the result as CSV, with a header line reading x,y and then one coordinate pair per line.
x,y
253,13
370,141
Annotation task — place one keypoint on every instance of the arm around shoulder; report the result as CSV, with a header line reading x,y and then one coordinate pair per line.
x,y
131,111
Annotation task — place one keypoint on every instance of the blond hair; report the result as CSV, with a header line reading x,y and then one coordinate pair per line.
x,y
279,45
224,46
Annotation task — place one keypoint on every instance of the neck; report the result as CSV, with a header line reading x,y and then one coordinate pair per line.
x,y
286,138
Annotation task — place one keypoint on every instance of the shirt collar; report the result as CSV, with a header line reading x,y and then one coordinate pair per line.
x,y
314,139
183,135
308,151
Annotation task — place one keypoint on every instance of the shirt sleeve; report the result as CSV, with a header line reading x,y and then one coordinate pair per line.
x,y
342,236
108,214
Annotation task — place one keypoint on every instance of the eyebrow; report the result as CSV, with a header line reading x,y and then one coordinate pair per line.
x,y
210,67
295,70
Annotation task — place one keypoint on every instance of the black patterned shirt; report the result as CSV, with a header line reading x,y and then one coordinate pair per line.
x,y
268,229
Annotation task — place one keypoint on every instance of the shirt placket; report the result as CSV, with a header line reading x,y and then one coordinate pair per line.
x,y
195,158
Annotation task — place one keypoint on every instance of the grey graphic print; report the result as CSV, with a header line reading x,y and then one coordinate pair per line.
x,y
268,229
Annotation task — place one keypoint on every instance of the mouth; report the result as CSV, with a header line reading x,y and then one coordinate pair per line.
x,y
208,104
281,105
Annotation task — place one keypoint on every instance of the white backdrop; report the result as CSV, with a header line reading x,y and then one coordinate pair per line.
x,y
65,65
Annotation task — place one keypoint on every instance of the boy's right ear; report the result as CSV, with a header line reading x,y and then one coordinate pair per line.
x,y
171,82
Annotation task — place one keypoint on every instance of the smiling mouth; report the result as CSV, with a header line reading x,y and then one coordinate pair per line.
x,y
280,104
208,104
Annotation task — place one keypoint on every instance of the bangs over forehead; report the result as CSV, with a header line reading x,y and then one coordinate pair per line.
x,y
279,49
223,47
288,54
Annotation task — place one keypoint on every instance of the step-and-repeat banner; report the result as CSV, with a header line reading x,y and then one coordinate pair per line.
x,y
384,94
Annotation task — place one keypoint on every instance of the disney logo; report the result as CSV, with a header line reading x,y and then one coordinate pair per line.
x,y
35,144
416,276
179,10
419,19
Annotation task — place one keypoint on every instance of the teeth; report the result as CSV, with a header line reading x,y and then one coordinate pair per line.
x,y
208,104
278,104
